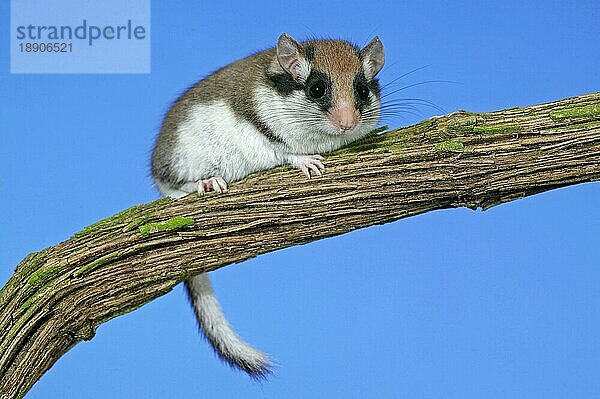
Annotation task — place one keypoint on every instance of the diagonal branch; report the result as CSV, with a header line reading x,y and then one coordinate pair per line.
x,y
57,297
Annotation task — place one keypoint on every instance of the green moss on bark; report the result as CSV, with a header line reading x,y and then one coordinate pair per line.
x,y
587,111
450,146
175,223
39,277
95,264
492,129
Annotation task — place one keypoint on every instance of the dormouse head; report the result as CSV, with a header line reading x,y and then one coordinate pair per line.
x,y
335,81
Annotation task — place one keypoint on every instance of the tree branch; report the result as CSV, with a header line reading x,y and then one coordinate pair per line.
x,y
57,297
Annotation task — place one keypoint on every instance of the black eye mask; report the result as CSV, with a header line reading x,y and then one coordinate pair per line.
x,y
318,89
362,88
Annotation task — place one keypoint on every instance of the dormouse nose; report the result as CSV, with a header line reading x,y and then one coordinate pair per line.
x,y
344,116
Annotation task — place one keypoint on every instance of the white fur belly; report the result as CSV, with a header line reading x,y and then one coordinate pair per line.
x,y
214,141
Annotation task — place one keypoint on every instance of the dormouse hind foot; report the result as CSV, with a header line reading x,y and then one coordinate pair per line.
x,y
216,184
308,164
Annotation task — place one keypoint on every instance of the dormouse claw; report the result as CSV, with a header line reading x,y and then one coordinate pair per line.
x,y
308,163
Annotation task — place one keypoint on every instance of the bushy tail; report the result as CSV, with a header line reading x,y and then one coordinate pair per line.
x,y
226,343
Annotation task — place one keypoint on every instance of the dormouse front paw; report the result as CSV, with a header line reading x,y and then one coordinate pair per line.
x,y
216,184
308,164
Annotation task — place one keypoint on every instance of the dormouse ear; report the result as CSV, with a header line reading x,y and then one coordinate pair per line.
x,y
290,55
373,58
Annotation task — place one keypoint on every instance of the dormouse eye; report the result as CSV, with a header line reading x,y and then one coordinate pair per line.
x,y
317,90
362,91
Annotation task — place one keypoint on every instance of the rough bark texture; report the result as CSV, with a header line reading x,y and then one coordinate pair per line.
x,y
57,297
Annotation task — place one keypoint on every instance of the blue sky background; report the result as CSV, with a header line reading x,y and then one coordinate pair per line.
x,y
452,304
